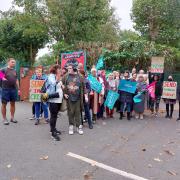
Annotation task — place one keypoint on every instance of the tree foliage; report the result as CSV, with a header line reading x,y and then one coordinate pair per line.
x,y
158,20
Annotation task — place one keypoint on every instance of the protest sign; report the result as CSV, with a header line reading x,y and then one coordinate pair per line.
x,y
169,90
111,99
35,90
151,89
127,86
100,63
95,84
157,65
73,58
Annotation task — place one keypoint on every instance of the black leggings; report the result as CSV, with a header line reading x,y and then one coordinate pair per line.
x,y
171,109
179,109
54,109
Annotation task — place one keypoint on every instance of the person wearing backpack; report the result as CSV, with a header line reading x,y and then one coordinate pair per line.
x,y
10,85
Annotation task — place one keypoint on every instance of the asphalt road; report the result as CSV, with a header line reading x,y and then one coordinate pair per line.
x,y
148,148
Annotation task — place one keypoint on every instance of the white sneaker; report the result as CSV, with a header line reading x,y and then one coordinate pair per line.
x,y
137,116
80,130
71,130
6,122
141,117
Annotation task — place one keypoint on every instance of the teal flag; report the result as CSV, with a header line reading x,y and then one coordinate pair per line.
x,y
127,86
100,63
137,98
95,84
111,99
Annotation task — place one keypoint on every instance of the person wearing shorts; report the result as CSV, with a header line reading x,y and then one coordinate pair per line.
x,y
10,84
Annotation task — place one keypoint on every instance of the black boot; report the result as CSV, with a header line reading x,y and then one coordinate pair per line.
x,y
167,111
178,119
121,116
129,116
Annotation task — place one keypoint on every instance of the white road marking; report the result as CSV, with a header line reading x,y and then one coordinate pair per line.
x,y
106,167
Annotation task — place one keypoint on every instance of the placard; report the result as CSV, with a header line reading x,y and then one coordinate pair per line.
x,y
169,90
73,58
127,86
95,84
35,90
157,65
111,99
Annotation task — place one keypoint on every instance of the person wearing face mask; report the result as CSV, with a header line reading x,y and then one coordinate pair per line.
x,y
169,103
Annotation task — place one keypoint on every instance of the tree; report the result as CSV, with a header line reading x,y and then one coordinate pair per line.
x,y
157,20
81,20
22,33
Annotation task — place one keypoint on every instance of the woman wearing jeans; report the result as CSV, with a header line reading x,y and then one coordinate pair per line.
x,y
54,90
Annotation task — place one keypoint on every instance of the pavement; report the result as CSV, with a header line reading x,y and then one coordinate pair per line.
x,y
141,149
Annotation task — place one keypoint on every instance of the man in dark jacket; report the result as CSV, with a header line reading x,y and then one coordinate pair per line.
x,y
126,100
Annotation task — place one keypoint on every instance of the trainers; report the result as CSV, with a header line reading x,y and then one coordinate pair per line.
x,y
178,119
37,122
137,116
6,122
47,121
55,137
32,118
71,130
13,121
141,117
80,130
57,132
91,126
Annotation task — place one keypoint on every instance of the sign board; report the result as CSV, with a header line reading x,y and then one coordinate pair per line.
x,y
95,84
35,90
157,65
73,58
111,99
127,86
169,90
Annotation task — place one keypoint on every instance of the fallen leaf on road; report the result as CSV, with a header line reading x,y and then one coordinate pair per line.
x,y
144,149
157,159
172,173
169,152
9,166
171,142
44,157
87,176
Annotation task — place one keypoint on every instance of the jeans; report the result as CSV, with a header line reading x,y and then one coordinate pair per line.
x,y
38,109
54,109
87,113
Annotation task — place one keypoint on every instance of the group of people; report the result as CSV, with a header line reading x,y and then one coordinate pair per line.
x,y
71,87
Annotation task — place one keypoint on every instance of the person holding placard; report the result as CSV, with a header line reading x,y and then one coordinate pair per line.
x,y
178,98
39,76
126,99
139,107
169,103
112,85
154,102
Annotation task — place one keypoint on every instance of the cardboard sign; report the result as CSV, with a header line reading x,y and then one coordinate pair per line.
x,y
73,58
127,86
157,65
111,99
95,84
169,90
35,90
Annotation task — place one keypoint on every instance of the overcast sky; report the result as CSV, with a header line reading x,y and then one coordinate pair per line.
x,y
123,9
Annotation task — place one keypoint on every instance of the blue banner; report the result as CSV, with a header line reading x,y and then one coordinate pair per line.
x,y
127,86
100,63
95,84
111,99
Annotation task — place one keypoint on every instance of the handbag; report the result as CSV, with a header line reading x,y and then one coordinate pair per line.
x,y
63,105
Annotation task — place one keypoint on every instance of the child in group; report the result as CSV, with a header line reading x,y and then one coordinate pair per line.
x,y
169,103
139,107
